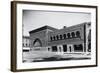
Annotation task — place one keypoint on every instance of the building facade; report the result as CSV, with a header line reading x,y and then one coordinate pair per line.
x,y
26,43
68,39
74,39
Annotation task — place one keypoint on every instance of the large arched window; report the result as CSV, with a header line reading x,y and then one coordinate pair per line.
x,y
73,34
77,34
37,43
68,35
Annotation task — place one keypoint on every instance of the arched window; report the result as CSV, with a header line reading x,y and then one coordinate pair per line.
x,y
64,36
57,37
77,34
68,35
60,36
37,43
73,34
64,48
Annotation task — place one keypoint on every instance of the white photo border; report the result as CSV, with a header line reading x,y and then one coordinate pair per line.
x,y
54,64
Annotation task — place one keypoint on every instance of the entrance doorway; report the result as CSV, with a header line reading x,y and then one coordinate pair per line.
x,y
70,49
64,48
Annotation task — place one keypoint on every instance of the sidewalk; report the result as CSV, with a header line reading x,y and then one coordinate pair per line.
x,y
47,56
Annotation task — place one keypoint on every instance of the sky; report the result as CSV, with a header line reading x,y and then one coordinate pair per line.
x,y
33,19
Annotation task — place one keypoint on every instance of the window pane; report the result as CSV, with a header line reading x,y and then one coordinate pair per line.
x,y
54,48
78,48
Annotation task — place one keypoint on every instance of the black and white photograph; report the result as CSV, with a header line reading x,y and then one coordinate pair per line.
x,y
53,36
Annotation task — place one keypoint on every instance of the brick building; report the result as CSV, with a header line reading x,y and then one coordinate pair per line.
x,y
76,38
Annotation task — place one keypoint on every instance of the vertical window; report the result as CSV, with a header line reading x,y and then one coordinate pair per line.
x,y
64,48
70,49
54,48
60,49
89,47
48,49
64,36
57,37
68,35
54,38
89,36
89,41
77,34
61,37
73,34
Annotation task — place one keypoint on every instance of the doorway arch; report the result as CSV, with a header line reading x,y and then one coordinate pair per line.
x,y
37,43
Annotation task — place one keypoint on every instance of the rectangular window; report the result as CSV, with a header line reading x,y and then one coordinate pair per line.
x,y
54,48
78,48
